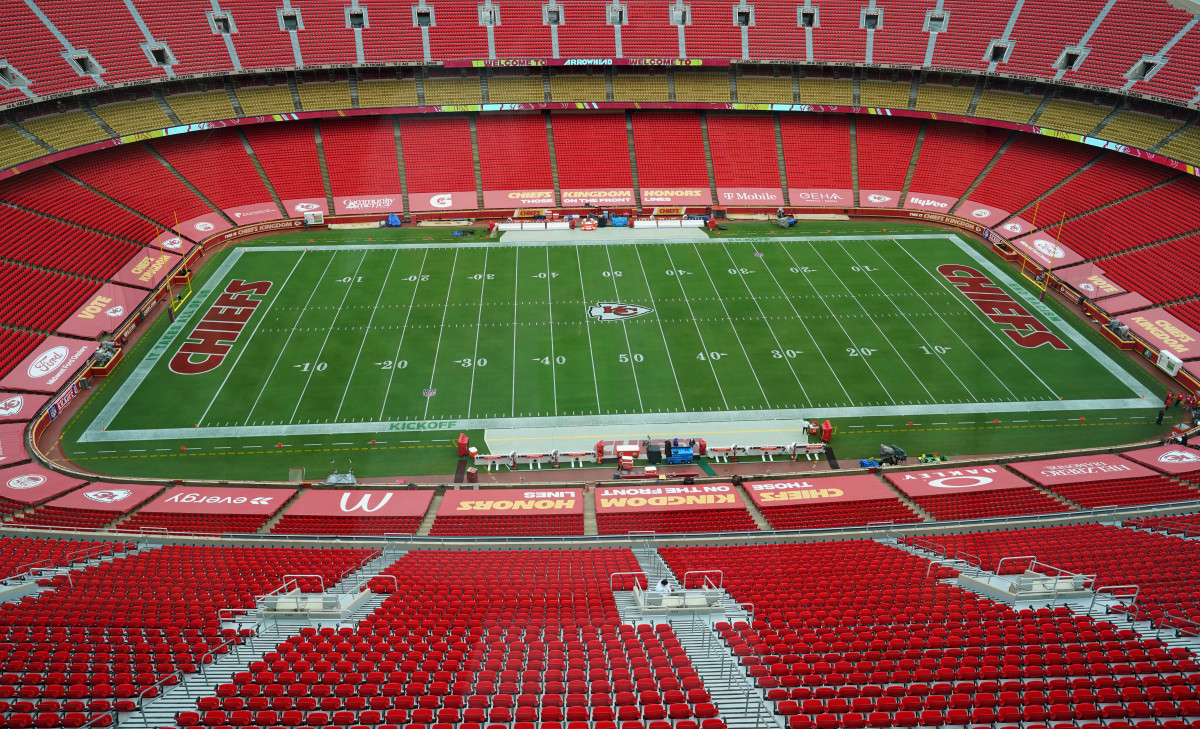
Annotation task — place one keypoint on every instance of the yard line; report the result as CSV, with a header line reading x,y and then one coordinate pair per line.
x,y
478,323
679,279
289,338
657,318
978,315
952,329
625,328
550,310
403,331
512,409
325,341
733,327
588,329
763,314
836,320
366,333
441,329
909,320
248,340
872,320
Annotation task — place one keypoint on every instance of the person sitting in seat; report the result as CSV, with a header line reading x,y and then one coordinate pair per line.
x,y
663,587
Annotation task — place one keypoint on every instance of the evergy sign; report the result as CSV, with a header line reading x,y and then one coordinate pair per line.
x,y
219,500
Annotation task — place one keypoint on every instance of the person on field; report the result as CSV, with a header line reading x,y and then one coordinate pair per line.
x,y
1158,421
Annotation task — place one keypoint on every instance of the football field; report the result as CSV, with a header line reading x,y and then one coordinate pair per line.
x,y
290,338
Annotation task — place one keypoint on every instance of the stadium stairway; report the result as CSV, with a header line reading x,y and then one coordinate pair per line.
x,y
590,526
756,514
431,513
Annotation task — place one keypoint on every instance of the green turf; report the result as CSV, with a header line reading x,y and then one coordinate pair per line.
x,y
347,341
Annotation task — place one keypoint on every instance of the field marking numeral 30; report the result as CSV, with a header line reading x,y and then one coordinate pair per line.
x,y
860,351
481,362
789,353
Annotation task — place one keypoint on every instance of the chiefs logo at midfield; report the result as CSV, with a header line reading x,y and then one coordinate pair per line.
x,y
616,311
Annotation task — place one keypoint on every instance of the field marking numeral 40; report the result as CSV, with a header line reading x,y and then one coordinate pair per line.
x,y
932,350
627,357
546,360
713,356
678,272
545,275
304,366
860,351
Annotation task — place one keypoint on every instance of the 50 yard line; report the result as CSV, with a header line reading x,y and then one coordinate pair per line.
x,y
666,347
366,333
403,331
441,329
624,328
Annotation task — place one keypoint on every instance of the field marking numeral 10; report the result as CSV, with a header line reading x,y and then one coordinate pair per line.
x,y
304,366
801,269
932,350
390,365
864,269
860,351
789,353
351,279
742,271
628,357
546,360
481,362
711,356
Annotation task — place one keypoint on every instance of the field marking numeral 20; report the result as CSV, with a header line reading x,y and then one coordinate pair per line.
x,y
390,365
415,277
304,366
801,269
860,351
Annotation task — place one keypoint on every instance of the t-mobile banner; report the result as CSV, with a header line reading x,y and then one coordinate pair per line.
x,y
879,198
362,503
1089,280
676,196
503,199
219,500
50,366
173,242
1080,469
255,213
1015,227
1172,459
147,268
1164,331
203,226
422,202
985,215
298,207
929,203
821,197
30,484
103,312
388,202
598,196
1045,250
766,494
111,497
750,196
640,499
956,481
18,407
503,502
12,441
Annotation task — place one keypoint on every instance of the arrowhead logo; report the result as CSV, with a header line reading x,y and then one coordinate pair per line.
x,y
1179,457
110,496
616,311
12,405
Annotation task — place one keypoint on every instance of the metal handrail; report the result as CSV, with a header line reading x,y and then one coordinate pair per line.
x,y
996,569
978,563
615,574
296,582
721,584
1137,590
99,549
753,610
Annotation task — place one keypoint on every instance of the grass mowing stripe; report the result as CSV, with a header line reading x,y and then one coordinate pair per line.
x,y
366,333
625,329
553,357
285,343
512,413
658,320
478,323
588,330
403,330
441,330
679,280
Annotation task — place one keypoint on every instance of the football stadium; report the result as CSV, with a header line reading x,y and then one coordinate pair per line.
x,y
600,364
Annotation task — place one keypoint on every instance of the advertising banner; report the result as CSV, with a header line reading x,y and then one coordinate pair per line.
x,y
12,444
754,197
16,407
362,502
766,494
501,502
253,213
598,196
117,498
501,199
103,312
930,203
1080,469
29,484
203,226
1015,227
878,198
641,499
820,197
1172,459
172,242
219,500
676,196
298,207
388,202
1123,303
1045,250
956,481
147,268
421,202
1164,331
262,228
1089,280
985,215
50,366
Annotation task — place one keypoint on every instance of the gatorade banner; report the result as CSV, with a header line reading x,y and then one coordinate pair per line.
x,y
756,197
298,207
50,366
878,198
254,213
172,242
103,312
501,199
676,196
422,202
502,502
1080,469
113,497
219,500
985,215
1045,250
147,268
956,481
362,503
388,202
838,489
203,226
29,484
929,203
17,407
821,197
12,443
1089,280
1171,459
1162,330
642,499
